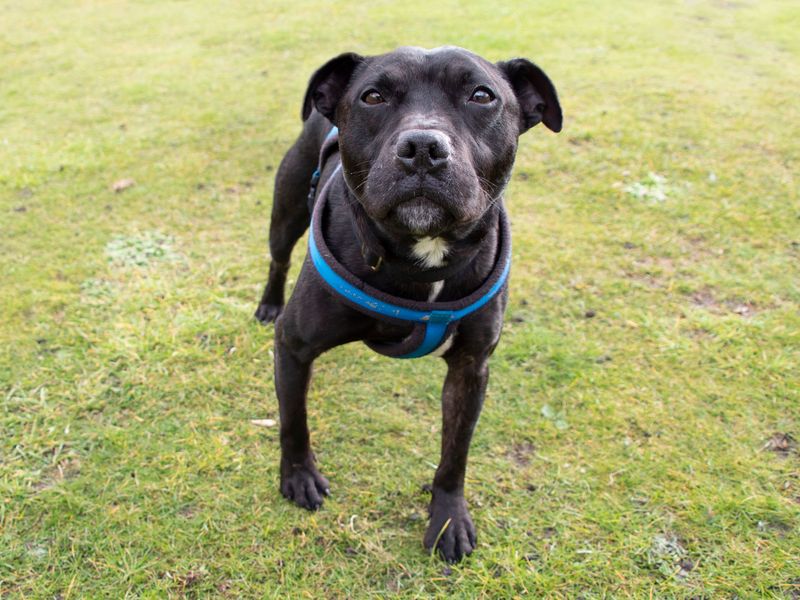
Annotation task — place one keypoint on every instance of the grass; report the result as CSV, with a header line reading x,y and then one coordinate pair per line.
x,y
638,435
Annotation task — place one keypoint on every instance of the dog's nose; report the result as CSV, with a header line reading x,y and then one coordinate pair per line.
x,y
422,150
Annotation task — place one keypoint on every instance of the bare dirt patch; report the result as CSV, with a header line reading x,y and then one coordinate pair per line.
x,y
782,444
707,298
521,453
64,470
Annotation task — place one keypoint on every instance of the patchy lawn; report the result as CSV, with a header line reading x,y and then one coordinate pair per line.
x,y
640,435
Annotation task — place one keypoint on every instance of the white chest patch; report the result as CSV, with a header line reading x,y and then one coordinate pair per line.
x,y
436,289
444,347
430,251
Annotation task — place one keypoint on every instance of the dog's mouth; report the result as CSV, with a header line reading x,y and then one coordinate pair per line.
x,y
420,215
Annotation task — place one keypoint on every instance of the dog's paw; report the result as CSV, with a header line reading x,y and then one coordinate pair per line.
x,y
304,485
267,313
451,530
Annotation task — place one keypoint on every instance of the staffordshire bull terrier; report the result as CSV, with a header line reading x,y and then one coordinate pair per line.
x,y
400,171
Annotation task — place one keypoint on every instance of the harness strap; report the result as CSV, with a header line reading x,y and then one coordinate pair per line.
x,y
329,145
432,320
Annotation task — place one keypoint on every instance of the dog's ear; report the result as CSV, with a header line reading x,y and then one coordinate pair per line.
x,y
328,84
535,92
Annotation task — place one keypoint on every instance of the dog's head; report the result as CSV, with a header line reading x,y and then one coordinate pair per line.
x,y
428,137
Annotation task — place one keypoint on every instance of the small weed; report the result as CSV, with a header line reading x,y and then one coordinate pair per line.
x,y
141,250
558,418
668,556
654,188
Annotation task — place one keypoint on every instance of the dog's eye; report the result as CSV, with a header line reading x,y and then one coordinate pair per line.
x,y
372,97
482,95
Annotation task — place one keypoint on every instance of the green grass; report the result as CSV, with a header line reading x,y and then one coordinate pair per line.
x,y
626,454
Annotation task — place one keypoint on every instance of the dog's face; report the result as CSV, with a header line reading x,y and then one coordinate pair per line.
x,y
428,137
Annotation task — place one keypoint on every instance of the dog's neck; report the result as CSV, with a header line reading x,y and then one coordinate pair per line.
x,y
421,259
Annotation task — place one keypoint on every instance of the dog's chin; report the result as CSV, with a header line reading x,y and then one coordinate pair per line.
x,y
420,217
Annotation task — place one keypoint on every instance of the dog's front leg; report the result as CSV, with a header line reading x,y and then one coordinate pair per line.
x,y
451,529
301,482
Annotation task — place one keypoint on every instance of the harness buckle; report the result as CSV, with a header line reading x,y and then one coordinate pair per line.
x,y
312,189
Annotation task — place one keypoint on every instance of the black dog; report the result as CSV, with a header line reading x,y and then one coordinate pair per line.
x,y
413,213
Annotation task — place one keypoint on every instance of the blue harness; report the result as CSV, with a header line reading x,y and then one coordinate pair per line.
x,y
433,322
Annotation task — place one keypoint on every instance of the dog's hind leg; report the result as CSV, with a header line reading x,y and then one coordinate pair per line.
x,y
290,219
